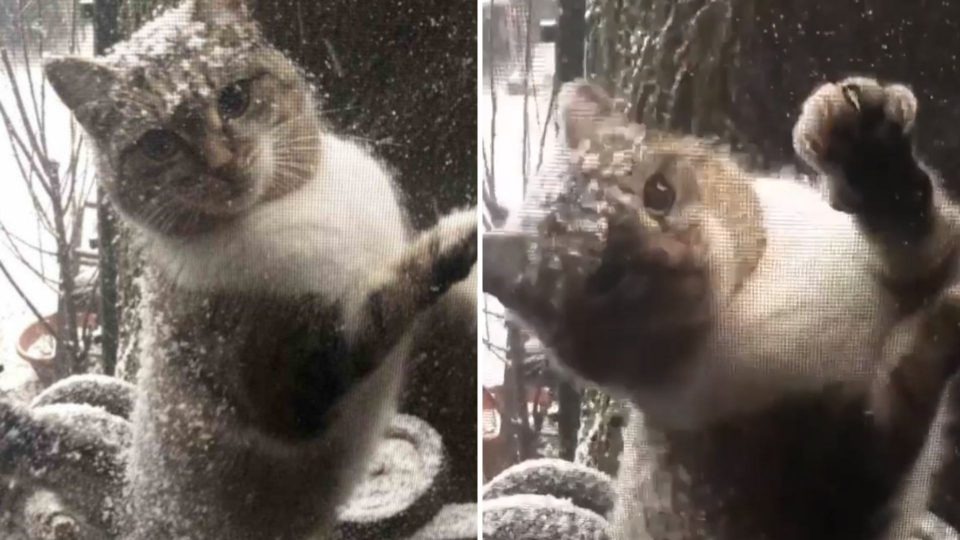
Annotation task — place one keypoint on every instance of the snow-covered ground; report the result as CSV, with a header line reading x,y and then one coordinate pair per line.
x,y
17,214
508,170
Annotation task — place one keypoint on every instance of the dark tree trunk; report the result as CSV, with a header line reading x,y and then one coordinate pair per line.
x,y
106,28
515,394
400,74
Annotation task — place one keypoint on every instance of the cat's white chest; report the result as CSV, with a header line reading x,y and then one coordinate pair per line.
x,y
322,238
811,314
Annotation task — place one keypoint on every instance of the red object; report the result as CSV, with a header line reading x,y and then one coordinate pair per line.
x,y
43,363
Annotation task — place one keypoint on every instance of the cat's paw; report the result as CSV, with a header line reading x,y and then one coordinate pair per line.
x,y
857,132
454,250
393,297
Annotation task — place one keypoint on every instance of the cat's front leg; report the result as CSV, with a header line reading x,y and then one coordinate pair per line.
x,y
905,398
858,133
393,298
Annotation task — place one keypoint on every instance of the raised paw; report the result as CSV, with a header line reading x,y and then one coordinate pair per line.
x,y
457,249
857,133
440,258
394,297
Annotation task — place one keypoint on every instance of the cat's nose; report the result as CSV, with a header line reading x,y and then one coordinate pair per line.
x,y
217,153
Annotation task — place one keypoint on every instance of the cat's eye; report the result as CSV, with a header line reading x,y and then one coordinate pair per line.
x,y
658,194
234,100
159,144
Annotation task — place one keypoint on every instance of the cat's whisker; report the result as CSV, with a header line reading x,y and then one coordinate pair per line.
x,y
286,145
292,163
308,143
300,164
340,109
291,174
295,149
154,214
309,138
289,178
294,129
302,143
376,142
295,153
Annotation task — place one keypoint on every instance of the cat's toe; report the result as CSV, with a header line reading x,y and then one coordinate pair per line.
x,y
900,106
873,103
818,117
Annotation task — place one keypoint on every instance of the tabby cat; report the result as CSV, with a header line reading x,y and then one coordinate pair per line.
x,y
785,349
282,281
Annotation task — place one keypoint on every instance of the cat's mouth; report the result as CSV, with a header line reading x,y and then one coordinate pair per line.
x,y
224,194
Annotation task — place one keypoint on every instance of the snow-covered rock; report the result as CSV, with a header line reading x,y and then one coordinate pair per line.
x,y
583,486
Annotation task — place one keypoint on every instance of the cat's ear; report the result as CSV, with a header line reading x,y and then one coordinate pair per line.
x,y
222,11
584,106
78,81
81,84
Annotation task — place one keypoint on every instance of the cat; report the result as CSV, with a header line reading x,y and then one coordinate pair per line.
x,y
282,280
785,349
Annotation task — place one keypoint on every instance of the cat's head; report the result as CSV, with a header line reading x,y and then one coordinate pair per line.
x,y
196,119
684,194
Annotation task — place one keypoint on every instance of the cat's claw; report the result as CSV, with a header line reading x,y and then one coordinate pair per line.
x,y
857,133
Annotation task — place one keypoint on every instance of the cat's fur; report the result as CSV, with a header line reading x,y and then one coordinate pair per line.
x,y
282,285
788,354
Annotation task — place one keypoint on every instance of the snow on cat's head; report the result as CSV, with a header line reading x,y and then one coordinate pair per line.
x,y
195,118
681,200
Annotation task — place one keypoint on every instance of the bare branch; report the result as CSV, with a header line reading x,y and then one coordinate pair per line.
x,y
25,243
498,214
25,175
49,283
26,152
26,62
71,172
546,125
26,300
527,61
24,117
37,272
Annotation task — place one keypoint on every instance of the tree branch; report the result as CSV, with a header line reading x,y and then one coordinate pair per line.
x,y
26,299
